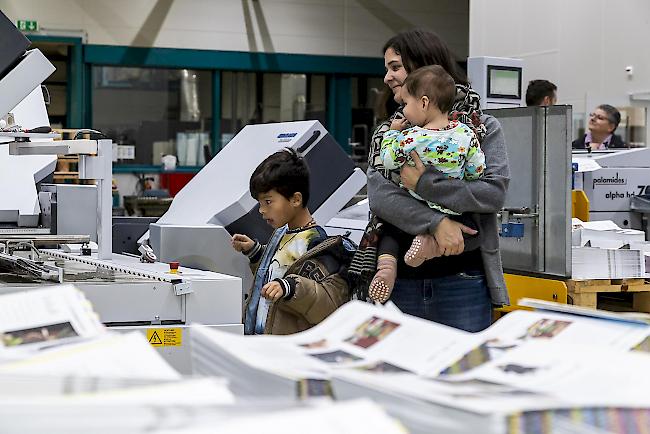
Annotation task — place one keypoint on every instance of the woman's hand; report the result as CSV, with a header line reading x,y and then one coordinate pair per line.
x,y
449,236
411,174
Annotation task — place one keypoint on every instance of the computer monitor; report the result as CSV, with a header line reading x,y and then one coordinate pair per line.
x,y
504,82
498,80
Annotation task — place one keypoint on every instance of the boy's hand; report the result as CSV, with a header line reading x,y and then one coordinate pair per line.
x,y
242,243
399,124
272,291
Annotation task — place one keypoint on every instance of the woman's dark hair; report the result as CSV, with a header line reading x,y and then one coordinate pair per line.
x,y
420,48
285,172
613,115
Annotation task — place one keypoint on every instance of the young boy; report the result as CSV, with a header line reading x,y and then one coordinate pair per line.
x,y
301,274
451,147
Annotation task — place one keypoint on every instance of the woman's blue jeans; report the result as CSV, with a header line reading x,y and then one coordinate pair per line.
x,y
461,300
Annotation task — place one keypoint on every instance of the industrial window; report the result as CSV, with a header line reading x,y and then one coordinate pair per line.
x,y
150,112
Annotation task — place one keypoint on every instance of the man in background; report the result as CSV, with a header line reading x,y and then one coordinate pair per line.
x,y
541,93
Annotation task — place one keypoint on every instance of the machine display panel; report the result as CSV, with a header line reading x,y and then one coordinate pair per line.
x,y
504,82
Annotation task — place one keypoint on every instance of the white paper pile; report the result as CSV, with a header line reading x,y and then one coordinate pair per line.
x,y
36,319
141,407
586,312
602,250
604,234
595,263
527,367
358,335
423,373
645,248
110,355
61,371
538,377
186,406
352,417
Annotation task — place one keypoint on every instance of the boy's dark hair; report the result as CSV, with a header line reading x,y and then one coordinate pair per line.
x,y
435,83
285,172
420,47
537,90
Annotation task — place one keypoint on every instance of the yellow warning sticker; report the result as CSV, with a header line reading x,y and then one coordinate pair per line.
x,y
165,337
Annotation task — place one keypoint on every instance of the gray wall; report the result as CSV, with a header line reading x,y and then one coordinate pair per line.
x,y
328,27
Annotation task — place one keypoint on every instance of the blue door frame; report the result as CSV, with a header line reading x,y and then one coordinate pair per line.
x,y
75,99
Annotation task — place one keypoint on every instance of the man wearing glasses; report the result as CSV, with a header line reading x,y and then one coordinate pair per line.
x,y
600,134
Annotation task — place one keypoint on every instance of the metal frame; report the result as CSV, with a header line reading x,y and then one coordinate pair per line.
x,y
539,150
558,176
91,166
231,60
339,109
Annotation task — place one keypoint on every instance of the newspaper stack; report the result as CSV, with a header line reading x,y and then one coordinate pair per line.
x,y
60,364
438,379
110,355
358,335
36,319
133,407
175,406
595,263
350,417
54,331
602,250
526,387
526,371
603,234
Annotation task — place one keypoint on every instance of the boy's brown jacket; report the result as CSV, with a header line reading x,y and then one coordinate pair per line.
x,y
321,286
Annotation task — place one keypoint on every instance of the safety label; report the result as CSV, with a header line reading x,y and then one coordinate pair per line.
x,y
165,337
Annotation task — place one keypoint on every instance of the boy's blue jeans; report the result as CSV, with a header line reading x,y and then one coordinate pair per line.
x,y
461,300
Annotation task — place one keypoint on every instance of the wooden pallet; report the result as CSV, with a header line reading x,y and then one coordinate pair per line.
x,y
585,292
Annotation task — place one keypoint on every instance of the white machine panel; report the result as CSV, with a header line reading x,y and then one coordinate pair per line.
x,y
622,175
352,220
639,157
217,203
21,80
221,187
151,295
610,188
18,177
204,247
18,174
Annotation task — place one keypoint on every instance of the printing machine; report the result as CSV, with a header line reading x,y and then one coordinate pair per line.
x,y
619,176
216,203
125,292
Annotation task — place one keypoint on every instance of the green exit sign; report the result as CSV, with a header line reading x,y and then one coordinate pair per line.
x,y
27,25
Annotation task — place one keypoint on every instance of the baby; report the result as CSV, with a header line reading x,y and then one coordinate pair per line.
x,y
449,146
